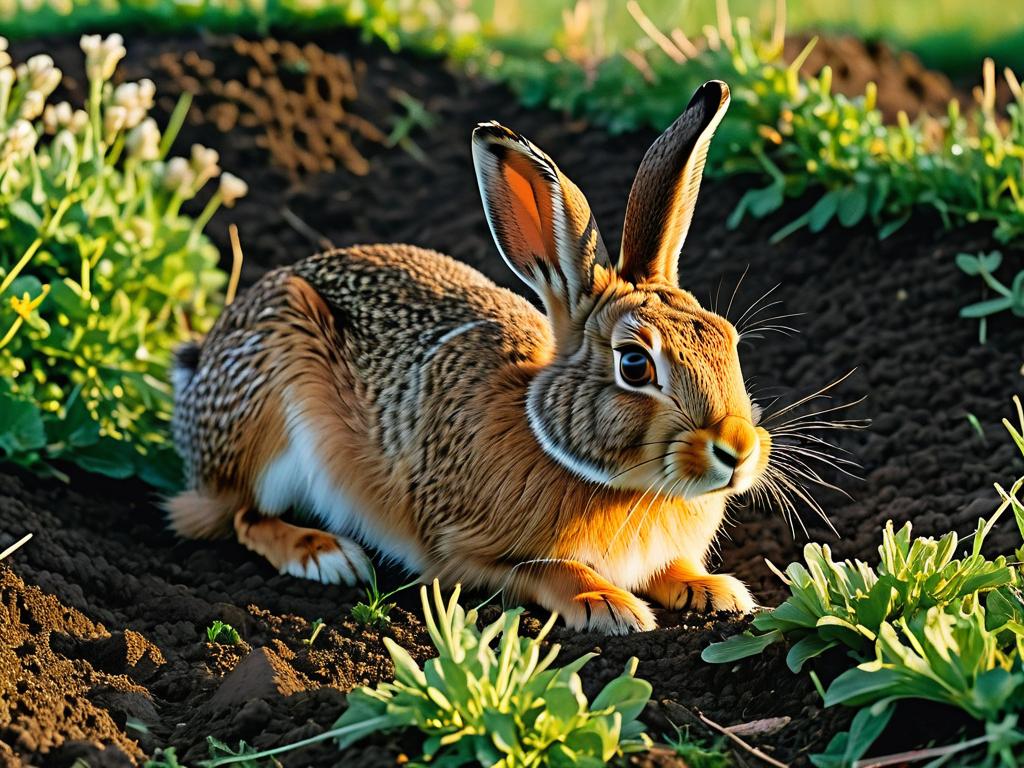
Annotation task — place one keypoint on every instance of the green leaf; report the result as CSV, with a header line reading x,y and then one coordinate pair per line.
x,y
501,727
890,228
860,686
808,648
852,206
987,307
739,647
626,694
106,457
823,211
847,748
21,426
564,704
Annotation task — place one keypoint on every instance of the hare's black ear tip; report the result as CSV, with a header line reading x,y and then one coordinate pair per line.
x,y
713,94
490,131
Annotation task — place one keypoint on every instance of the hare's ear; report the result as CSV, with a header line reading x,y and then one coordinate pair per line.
x,y
664,192
540,220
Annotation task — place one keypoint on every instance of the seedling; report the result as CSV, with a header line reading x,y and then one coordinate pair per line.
x,y
317,628
1008,298
697,753
223,634
164,758
976,426
375,612
416,117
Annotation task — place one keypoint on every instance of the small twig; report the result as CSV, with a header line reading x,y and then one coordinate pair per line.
x,y
921,754
236,265
11,549
749,747
305,230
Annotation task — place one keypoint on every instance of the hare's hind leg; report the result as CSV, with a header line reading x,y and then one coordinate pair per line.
x,y
307,553
584,598
686,585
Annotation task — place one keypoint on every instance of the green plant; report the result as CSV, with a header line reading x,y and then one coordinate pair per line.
x,y
504,706
317,628
1009,297
224,634
695,752
375,612
850,602
243,756
923,625
164,758
101,275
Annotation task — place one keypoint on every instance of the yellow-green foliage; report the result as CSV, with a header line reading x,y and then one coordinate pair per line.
x,y
100,273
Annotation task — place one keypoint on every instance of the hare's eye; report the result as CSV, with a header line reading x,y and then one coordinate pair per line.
x,y
636,366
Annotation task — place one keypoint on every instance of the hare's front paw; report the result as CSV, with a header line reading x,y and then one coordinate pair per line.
x,y
326,558
682,587
306,553
609,610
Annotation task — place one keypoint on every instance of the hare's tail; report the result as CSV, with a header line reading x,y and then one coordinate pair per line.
x,y
194,515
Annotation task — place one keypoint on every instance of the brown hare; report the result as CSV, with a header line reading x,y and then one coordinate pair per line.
x,y
575,458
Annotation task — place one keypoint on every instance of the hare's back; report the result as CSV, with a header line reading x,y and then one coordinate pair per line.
x,y
397,303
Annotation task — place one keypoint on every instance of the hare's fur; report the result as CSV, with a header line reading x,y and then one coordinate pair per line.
x,y
408,403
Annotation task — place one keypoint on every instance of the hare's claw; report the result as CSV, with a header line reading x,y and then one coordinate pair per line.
x,y
683,587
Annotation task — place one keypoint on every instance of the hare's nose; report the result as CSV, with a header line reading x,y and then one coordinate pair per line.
x,y
733,439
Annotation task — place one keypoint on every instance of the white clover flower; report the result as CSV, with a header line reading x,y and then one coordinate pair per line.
x,y
204,164
113,121
5,57
79,119
40,73
137,99
19,140
232,189
143,140
147,92
57,116
32,105
178,175
6,83
102,55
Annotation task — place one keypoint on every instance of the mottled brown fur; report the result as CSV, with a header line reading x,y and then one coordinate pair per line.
x,y
411,404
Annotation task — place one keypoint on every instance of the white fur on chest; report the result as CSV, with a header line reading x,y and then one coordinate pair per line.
x,y
635,559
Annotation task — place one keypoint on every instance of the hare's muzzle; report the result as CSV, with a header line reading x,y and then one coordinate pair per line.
x,y
726,453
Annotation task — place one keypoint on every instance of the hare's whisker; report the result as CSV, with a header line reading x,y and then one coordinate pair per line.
x,y
734,291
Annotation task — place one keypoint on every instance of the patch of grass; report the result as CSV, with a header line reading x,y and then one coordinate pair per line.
x,y
100,273
375,611
923,624
491,698
224,634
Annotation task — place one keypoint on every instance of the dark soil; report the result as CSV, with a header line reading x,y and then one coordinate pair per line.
x,y
103,614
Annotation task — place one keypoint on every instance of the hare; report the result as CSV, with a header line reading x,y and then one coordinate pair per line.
x,y
575,458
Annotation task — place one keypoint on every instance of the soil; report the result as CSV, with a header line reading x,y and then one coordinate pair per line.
x,y
103,614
